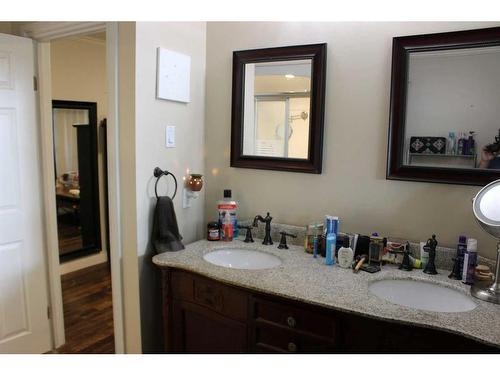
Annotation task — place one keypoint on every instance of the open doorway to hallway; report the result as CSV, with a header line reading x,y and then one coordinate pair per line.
x,y
79,110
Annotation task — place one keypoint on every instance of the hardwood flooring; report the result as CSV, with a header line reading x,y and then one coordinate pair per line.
x,y
88,311
70,238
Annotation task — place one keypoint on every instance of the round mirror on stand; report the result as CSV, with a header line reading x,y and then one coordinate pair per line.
x,y
486,208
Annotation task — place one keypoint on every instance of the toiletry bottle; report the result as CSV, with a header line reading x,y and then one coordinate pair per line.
x,y
461,249
460,144
346,255
331,226
451,143
471,144
315,246
424,255
376,248
227,226
470,259
332,223
228,205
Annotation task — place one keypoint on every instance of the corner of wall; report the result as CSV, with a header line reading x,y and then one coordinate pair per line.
x,y
128,224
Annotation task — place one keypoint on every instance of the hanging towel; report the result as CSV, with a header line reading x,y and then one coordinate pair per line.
x,y
165,235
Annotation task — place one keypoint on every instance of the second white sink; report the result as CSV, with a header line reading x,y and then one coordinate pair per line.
x,y
242,259
422,295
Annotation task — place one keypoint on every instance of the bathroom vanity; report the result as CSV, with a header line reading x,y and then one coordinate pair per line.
x,y
303,306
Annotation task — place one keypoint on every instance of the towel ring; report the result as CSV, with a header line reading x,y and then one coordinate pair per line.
x,y
158,173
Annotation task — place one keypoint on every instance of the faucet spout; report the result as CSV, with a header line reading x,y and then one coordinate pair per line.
x,y
267,238
256,220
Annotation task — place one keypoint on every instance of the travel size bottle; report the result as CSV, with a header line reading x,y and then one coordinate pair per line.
x,y
345,255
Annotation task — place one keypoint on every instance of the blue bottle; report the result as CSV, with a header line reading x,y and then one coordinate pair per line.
x,y
332,223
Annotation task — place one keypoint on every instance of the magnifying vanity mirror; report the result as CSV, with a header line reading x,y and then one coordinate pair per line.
x,y
278,108
445,112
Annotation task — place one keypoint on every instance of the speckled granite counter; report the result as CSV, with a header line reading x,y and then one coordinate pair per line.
x,y
301,277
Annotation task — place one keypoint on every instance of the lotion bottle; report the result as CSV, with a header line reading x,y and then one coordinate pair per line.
x,y
345,255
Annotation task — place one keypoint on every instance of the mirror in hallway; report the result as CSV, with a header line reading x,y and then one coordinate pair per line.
x,y
75,164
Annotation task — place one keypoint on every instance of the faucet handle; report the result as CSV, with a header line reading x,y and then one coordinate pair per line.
x,y
283,244
248,236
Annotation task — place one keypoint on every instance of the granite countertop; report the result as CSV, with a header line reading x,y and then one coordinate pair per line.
x,y
303,278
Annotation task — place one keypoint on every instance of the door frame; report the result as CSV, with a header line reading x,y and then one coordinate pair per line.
x,y
43,33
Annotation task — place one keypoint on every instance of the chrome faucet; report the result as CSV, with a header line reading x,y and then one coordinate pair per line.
x,y
267,238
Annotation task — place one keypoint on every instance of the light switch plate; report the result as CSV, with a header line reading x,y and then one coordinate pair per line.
x,y
170,136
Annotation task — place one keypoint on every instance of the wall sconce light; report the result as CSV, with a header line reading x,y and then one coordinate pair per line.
x,y
194,184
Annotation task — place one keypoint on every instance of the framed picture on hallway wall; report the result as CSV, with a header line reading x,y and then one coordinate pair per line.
x,y
173,76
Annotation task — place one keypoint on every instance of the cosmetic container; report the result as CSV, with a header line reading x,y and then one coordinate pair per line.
x,y
470,260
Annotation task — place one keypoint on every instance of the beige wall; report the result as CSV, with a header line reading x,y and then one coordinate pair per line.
x,y
78,68
152,116
79,71
6,27
353,183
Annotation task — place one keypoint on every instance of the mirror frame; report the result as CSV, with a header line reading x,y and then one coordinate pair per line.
x,y
93,162
313,164
401,48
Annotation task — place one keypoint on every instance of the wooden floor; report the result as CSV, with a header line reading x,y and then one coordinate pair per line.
x,y
88,312
70,238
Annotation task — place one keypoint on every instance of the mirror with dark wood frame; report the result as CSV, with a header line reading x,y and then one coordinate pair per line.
x,y
445,113
76,175
278,108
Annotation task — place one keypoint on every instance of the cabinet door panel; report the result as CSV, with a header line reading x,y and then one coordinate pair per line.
x,y
272,337
199,330
300,319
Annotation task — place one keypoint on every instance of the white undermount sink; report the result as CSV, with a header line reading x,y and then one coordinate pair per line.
x,y
422,295
242,259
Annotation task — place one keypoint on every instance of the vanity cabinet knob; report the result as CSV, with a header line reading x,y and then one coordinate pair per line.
x,y
292,347
291,321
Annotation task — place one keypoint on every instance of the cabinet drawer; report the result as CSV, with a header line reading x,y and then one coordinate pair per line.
x,y
295,318
272,338
218,297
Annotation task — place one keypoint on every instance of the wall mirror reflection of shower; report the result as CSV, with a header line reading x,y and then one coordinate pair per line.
x,y
277,102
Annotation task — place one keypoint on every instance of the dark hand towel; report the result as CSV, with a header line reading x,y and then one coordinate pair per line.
x,y
165,235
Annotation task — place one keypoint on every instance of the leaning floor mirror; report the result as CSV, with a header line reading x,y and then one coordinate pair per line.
x,y
445,112
76,175
278,108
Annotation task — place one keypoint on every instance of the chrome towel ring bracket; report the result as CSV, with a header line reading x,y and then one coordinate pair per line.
x,y
158,173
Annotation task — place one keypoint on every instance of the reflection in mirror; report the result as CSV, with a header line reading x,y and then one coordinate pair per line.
x,y
452,108
66,122
75,162
276,109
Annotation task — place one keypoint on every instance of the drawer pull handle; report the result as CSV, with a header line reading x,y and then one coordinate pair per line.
x,y
291,321
292,347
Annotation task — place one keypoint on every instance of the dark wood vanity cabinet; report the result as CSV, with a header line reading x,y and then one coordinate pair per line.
x,y
202,315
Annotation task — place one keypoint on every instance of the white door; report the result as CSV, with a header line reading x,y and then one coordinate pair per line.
x,y
24,324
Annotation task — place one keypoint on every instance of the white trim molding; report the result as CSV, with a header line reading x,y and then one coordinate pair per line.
x,y
46,31
47,147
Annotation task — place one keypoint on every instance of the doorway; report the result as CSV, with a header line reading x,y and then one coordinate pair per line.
x,y
79,106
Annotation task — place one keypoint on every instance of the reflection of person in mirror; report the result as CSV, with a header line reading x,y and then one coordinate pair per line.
x,y
489,160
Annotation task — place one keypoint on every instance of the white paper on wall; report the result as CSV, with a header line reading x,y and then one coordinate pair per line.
x,y
173,76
